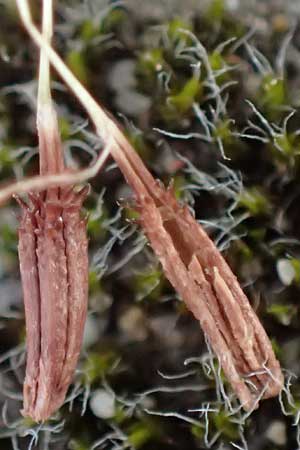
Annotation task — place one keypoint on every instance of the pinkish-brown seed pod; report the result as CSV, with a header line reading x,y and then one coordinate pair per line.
x,y
53,254
54,271
205,282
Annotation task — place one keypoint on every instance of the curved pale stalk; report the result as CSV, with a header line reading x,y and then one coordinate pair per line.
x,y
44,92
50,147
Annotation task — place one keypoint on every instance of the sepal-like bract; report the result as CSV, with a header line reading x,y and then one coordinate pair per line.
x,y
54,270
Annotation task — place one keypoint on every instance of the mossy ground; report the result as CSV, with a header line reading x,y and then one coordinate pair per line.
x,y
209,96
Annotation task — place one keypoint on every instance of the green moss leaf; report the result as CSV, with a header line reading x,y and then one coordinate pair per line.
x,y
148,283
216,11
296,265
223,423
175,28
273,92
77,64
99,364
255,201
283,313
180,103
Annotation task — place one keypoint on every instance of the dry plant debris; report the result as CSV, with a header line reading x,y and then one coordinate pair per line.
x,y
54,267
189,258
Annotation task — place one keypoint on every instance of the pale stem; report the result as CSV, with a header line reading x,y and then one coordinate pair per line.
x,y
44,92
105,127
94,111
50,148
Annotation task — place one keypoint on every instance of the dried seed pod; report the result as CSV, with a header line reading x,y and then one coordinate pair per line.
x,y
205,282
53,254
54,271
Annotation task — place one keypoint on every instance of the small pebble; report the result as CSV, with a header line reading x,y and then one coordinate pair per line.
x,y
165,330
91,331
280,23
276,433
286,271
122,80
102,404
133,324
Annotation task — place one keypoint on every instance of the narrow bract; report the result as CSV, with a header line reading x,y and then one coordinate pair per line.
x,y
54,271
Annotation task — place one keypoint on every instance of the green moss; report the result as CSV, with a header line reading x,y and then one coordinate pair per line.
x,y
97,365
286,149
94,226
285,143
184,99
178,183
198,432
64,128
148,283
245,251
139,436
175,31
8,237
216,60
273,92
131,214
6,158
95,219
89,30
28,423
223,131
255,201
276,348
180,102
143,432
120,415
282,312
76,444
257,234
113,20
216,11
76,61
223,422
94,283
151,62
138,142
296,265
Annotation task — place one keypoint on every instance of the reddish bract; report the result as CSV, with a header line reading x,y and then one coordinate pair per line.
x,y
54,270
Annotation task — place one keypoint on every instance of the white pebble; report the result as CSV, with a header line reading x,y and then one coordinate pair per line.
x,y
91,332
276,433
102,404
286,271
